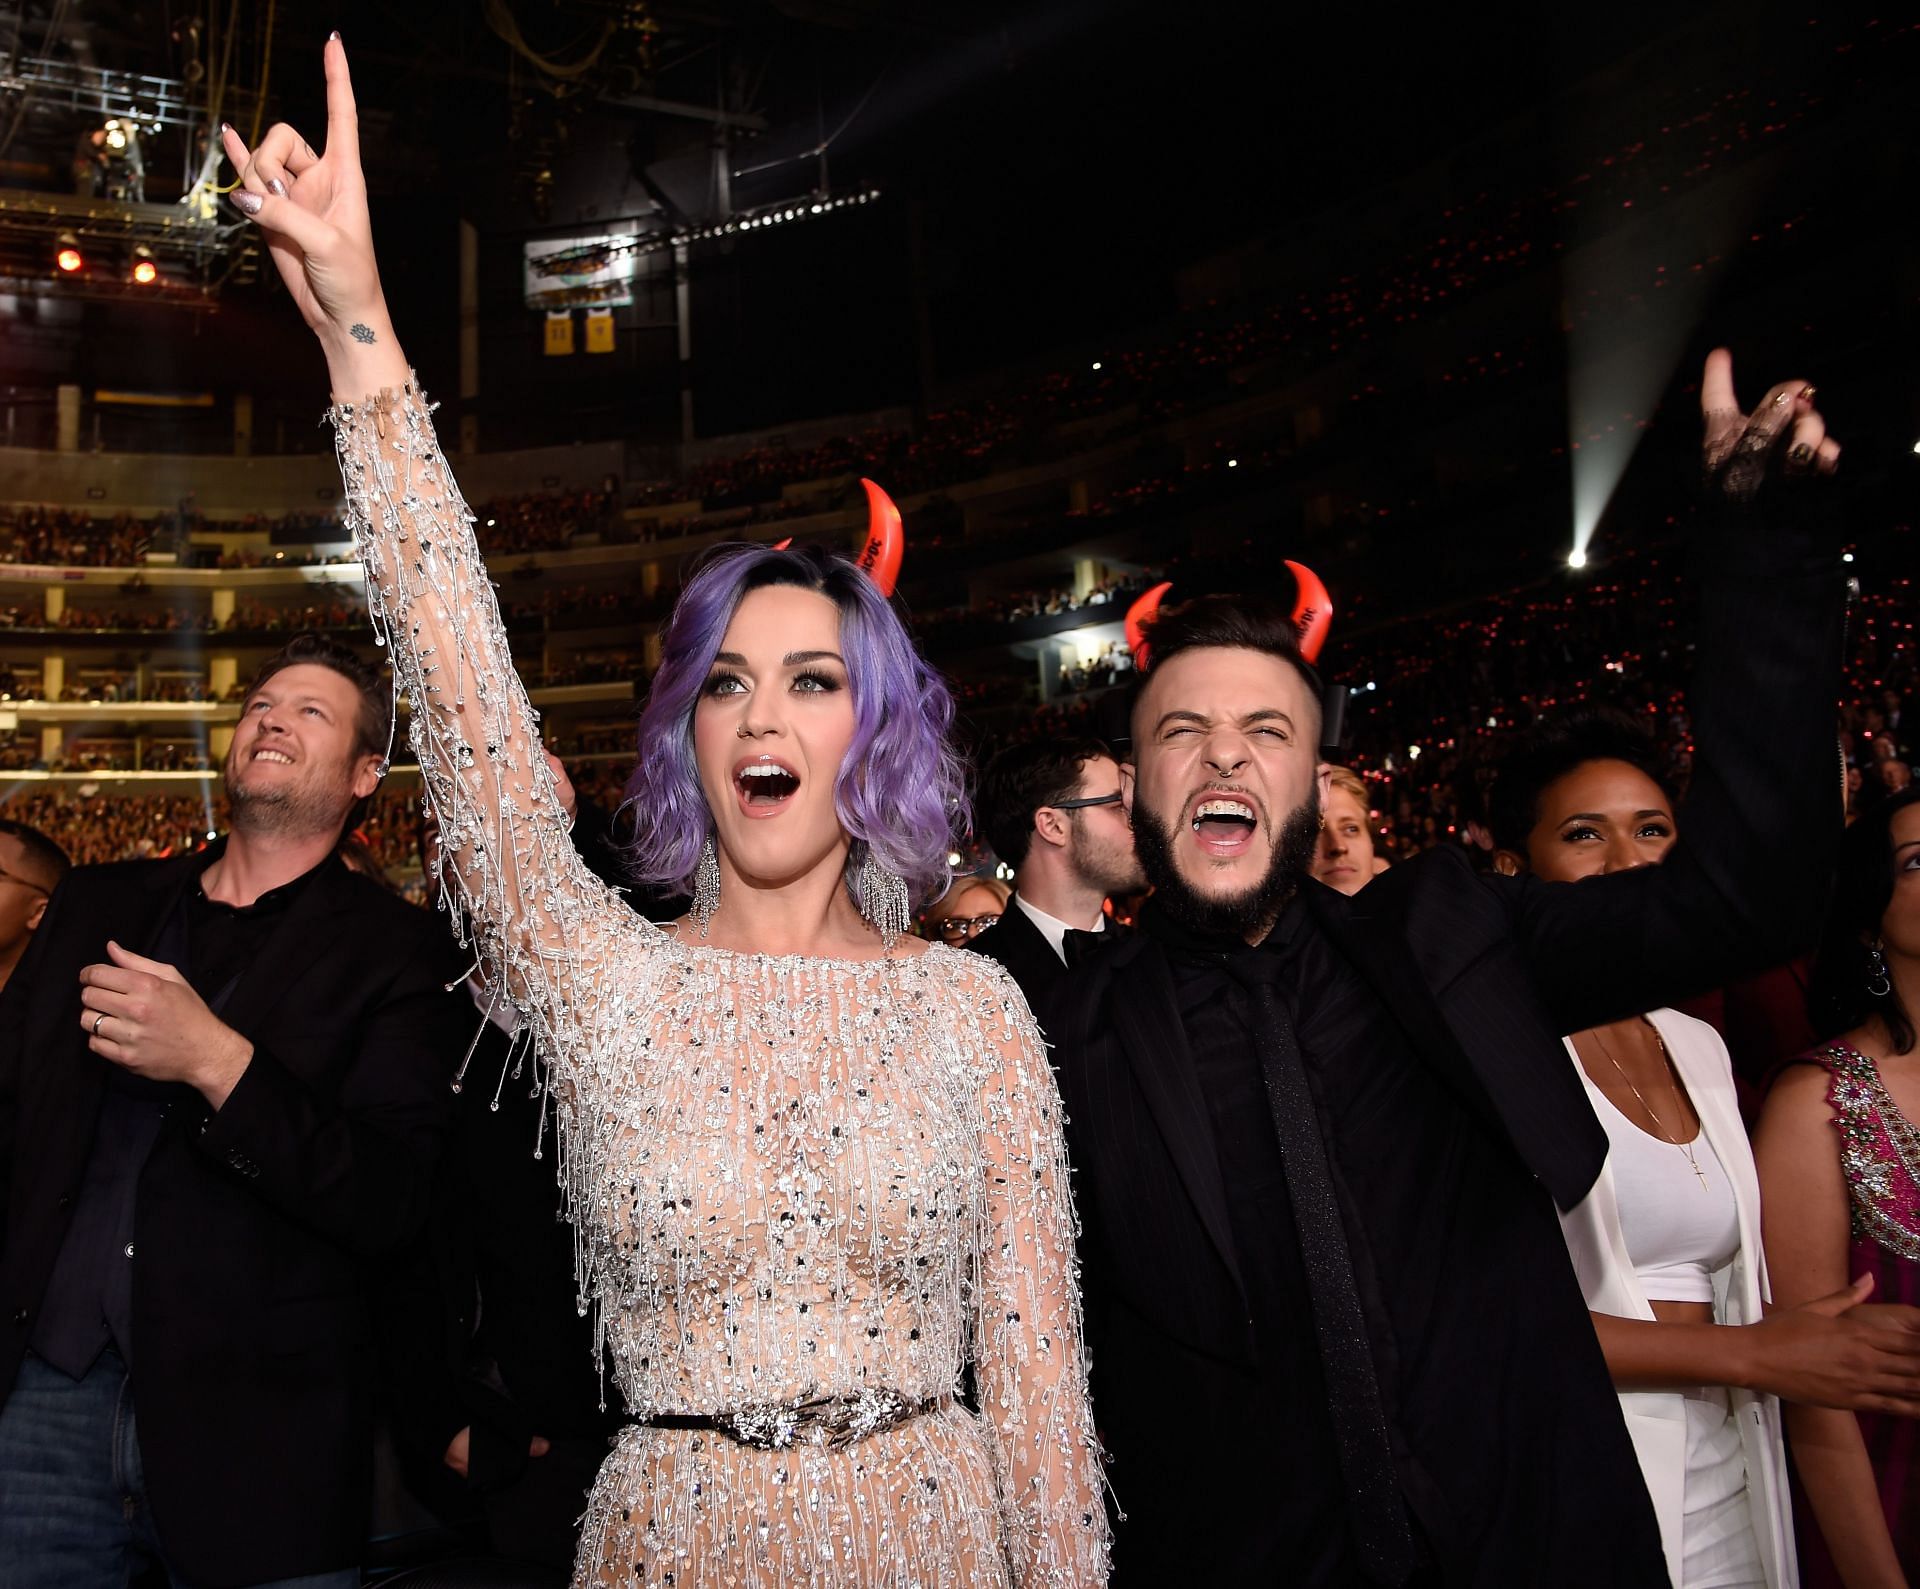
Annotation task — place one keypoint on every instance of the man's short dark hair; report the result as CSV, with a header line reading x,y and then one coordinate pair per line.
x,y
372,722
1022,779
46,857
1232,623
1551,750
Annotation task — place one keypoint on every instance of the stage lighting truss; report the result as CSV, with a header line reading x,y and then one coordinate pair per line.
x,y
779,215
189,253
742,222
153,252
136,99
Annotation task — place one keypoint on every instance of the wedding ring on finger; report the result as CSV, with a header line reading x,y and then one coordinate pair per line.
x,y
96,1022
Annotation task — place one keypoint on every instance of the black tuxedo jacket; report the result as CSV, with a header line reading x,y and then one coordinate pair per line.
x,y
250,1311
1481,976
1018,945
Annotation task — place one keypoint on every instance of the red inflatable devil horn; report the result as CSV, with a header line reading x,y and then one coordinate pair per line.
x,y
781,546
1140,618
886,540
1312,609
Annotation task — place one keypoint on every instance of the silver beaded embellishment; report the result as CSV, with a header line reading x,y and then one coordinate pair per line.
x,y
882,897
789,1177
706,887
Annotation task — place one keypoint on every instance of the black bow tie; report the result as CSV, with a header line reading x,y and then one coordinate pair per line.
x,y
1078,946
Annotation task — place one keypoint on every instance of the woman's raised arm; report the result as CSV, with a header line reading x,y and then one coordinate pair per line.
x,y
539,915
1029,1348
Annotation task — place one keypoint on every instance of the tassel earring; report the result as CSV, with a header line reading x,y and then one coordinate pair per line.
x,y
882,897
706,886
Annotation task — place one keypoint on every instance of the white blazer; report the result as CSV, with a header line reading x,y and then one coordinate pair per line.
x,y
1657,1420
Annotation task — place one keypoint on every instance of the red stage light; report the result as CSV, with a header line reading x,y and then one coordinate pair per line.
x,y
146,272
69,260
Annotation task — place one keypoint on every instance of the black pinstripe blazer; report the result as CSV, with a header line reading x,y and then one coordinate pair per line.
x,y
1476,978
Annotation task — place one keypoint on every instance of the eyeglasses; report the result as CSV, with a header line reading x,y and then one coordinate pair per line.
x,y
965,926
1089,800
15,877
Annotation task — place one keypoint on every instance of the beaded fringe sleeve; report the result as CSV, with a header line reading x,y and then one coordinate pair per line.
x,y
787,1177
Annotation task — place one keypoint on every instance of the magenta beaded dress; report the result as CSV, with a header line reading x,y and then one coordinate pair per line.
x,y
1880,1157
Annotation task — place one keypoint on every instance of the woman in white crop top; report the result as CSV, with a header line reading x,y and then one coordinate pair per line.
x,y
1667,1244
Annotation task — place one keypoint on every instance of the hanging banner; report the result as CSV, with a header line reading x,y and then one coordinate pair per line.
x,y
559,333
599,330
579,270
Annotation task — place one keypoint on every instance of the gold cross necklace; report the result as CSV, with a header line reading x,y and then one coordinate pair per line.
x,y
1659,1124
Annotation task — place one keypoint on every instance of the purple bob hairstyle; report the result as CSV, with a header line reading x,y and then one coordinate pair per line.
x,y
902,790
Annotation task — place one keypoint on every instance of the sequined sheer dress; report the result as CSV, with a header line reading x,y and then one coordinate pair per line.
x,y
789,1178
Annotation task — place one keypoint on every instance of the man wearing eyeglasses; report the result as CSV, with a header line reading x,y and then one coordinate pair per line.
x,y
1052,811
31,866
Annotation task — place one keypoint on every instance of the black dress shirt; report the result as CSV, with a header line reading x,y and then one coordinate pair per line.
x,y
89,1299
1216,1010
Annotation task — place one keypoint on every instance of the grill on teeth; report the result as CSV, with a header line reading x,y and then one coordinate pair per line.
x,y
1224,808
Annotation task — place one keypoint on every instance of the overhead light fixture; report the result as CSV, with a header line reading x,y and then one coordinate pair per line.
x,y
145,271
68,257
1577,558
116,135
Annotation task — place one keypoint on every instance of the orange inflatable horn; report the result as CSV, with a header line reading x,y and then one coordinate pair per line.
x,y
1312,610
1140,616
886,540
781,546
1312,615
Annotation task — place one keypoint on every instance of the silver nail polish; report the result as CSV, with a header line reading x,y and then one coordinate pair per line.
x,y
276,186
247,201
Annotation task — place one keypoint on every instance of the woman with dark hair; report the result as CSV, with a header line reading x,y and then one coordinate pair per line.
x,y
1839,1154
814,1165
1667,1245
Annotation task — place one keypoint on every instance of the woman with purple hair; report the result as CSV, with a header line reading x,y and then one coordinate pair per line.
x,y
815,1167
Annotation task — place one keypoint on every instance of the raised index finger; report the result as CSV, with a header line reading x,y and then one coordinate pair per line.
x,y
1716,385
343,116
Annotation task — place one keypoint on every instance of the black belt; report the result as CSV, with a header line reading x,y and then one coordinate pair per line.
x,y
835,1422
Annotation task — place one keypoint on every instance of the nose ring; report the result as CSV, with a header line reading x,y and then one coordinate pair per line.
x,y
743,732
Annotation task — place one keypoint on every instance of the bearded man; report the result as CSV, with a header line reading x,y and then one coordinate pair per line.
x,y
1051,811
223,1083
1318,1140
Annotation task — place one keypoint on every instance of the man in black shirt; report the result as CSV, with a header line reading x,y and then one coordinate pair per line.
x,y
1319,1140
222,1090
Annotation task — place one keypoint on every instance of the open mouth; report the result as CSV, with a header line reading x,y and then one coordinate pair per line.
x,y
278,757
1224,825
765,786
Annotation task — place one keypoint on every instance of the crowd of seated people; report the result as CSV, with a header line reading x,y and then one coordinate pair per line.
x,y
1472,245
73,538
1113,662
250,615
597,667
545,521
586,606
